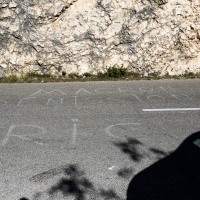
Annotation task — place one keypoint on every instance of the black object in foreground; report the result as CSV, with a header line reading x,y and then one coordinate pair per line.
x,y
175,177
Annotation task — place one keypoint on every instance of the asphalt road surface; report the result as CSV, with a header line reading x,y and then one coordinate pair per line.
x,y
88,140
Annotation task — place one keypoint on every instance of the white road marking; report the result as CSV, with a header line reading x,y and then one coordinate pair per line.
x,y
170,109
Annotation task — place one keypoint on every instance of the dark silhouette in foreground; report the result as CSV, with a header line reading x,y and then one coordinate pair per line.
x,y
175,177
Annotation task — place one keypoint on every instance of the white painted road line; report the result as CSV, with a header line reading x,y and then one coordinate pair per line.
x,y
170,109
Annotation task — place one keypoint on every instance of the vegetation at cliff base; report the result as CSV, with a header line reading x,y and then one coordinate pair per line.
x,y
112,73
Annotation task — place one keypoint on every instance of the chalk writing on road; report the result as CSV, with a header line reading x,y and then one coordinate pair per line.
x,y
17,131
110,133
75,100
3,103
53,102
139,94
45,92
83,91
12,130
155,98
54,97
74,133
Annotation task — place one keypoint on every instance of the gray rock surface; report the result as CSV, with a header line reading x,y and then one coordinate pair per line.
x,y
91,35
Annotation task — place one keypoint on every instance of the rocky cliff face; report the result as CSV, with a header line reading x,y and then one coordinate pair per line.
x,y
90,35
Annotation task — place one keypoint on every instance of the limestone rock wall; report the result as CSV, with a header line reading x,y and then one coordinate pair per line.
x,y
91,35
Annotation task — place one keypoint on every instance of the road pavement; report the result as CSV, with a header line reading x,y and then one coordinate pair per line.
x,y
87,140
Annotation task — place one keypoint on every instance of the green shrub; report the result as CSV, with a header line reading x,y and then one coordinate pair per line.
x,y
36,77
88,75
189,75
74,75
33,75
102,75
154,74
117,72
135,75
11,79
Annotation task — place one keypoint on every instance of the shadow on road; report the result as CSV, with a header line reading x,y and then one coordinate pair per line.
x,y
75,185
125,173
175,177
135,151
158,152
130,147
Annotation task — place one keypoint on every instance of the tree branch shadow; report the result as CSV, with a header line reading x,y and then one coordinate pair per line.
x,y
125,173
75,184
130,147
